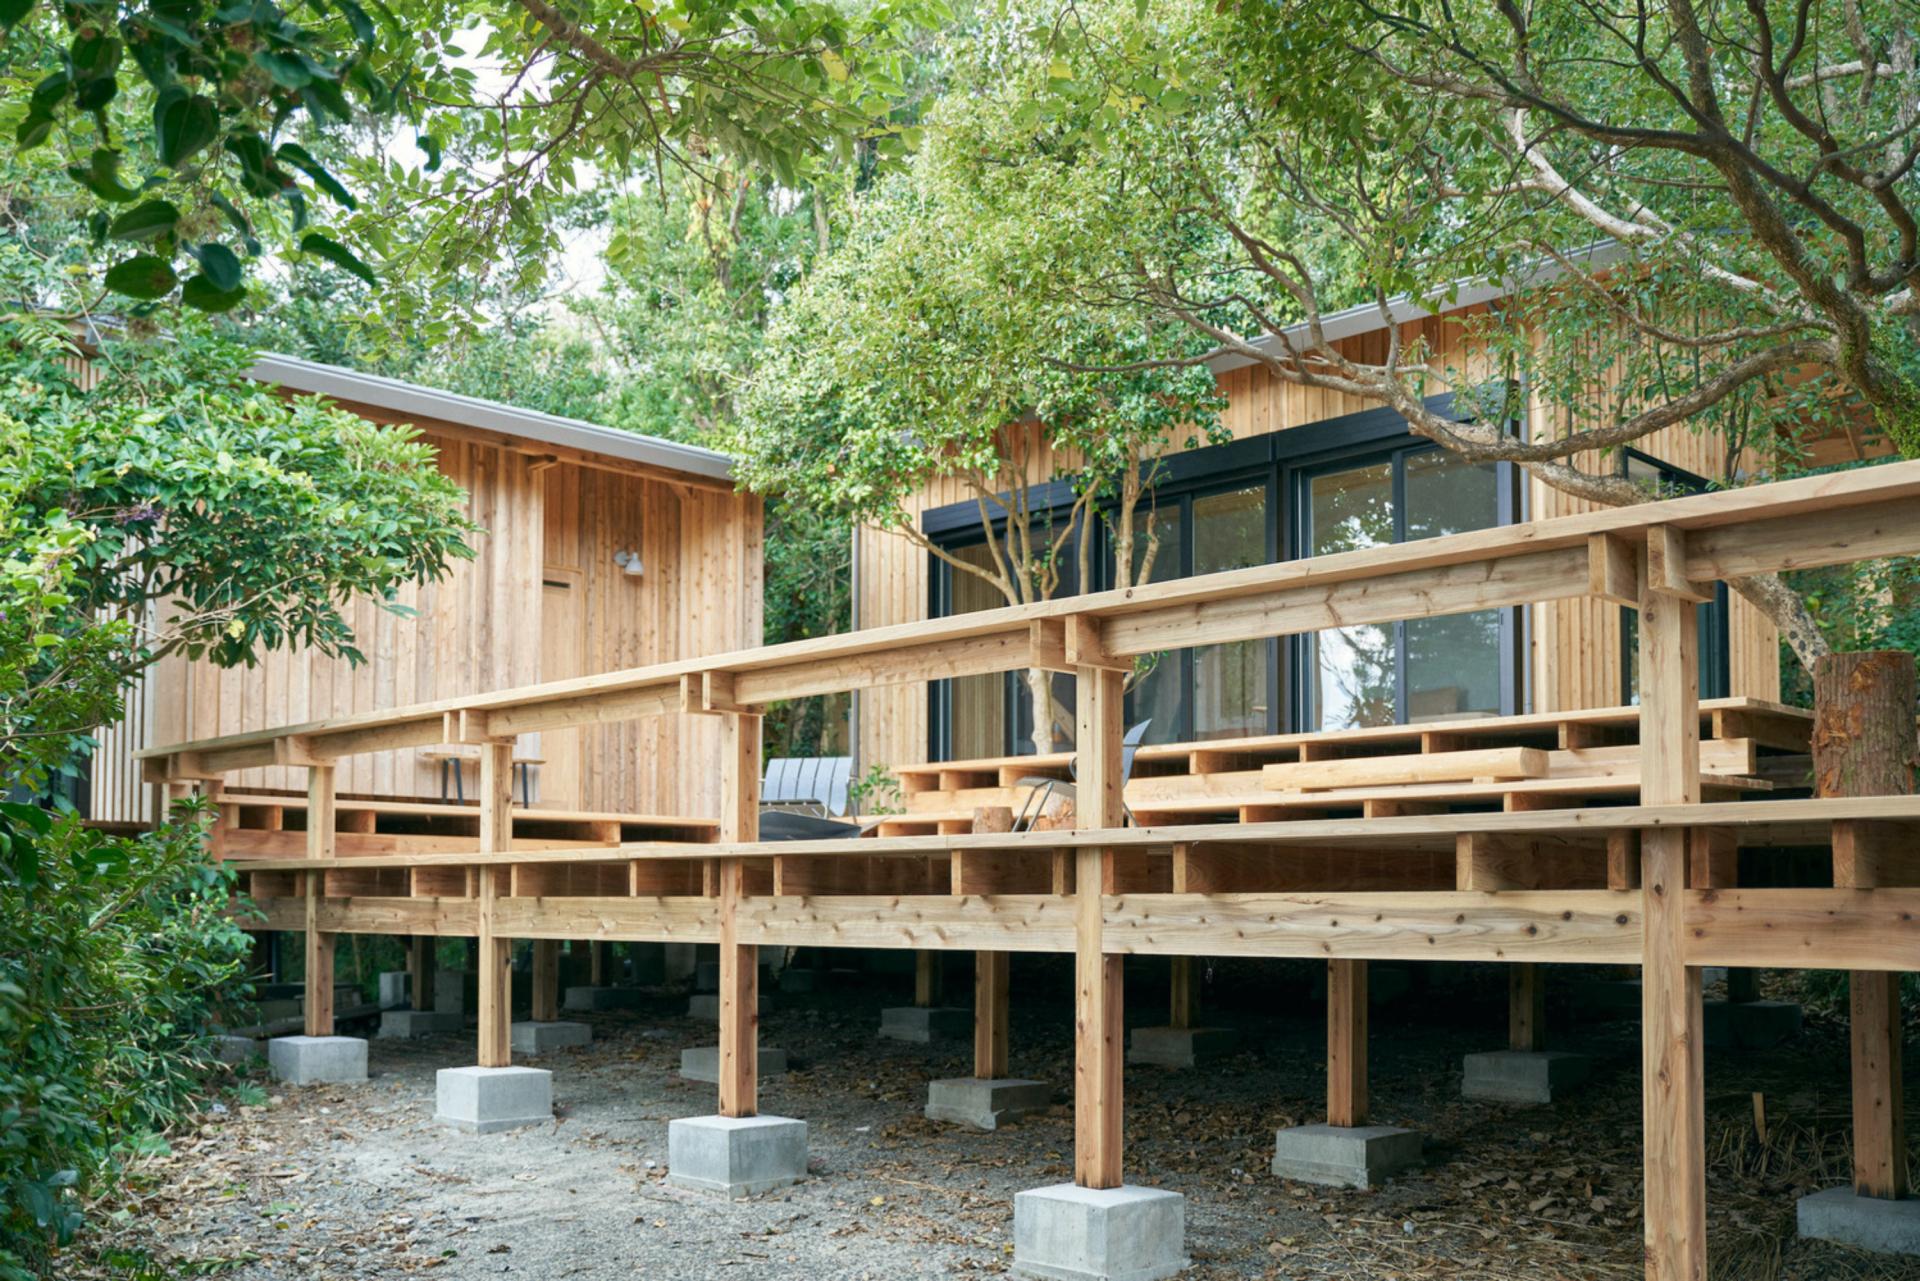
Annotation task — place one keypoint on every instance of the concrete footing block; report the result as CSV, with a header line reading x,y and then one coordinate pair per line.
x,y
396,989
1523,1076
1844,1216
403,1025
456,992
235,1050
583,1000
318,1060
707,1006
923,1025
486,1100
545,1038
1362,1156
1749,1025
1181,1047
702,1063
1071,1233
986,1104
736,1157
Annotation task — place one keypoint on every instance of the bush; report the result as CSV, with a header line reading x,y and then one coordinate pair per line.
x,y
115,955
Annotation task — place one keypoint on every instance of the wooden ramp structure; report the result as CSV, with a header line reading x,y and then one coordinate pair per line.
x,y
1314,847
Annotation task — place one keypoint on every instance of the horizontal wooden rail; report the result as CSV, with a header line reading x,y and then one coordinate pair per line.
x,y
1815,521
1785,822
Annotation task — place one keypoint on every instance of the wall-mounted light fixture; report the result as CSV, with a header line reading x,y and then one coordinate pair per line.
x,y
629,563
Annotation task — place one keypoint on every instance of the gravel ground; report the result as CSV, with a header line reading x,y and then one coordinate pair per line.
x,y
358,1182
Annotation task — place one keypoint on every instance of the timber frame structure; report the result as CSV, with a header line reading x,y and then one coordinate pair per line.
x,y
1105,890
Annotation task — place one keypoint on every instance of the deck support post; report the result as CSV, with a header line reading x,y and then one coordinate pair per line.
x,y
318,1056
546,980
1346,1043
990,1015
1673,1108
422,965
494,1095
737,1152
1182,1043
1097,1227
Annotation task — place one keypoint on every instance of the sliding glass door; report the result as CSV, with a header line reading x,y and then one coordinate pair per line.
x,y
1426,669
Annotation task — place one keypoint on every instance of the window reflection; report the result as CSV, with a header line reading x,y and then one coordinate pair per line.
x,y
1230,698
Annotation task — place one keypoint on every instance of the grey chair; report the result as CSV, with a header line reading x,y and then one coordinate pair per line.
x,y
814,785
1043,789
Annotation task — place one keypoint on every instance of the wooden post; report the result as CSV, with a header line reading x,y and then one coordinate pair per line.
x,y
495,977
1673,1108
1185,995
597,963
1526,1007
926,978
1099,1035
1863,745
546,980
1346,1043
990,1036
318,1002
423,962
739,963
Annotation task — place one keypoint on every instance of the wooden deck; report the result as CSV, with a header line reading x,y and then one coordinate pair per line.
x,y
1602,837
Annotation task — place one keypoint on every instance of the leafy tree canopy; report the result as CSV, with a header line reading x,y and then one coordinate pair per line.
x,y
204,135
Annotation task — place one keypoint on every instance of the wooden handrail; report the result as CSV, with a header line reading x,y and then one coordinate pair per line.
x,y
1804,523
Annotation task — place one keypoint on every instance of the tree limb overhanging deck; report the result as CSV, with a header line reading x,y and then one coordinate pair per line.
x,y
1639,883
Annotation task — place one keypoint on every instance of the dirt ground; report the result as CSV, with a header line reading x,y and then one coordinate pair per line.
x,y
358,1182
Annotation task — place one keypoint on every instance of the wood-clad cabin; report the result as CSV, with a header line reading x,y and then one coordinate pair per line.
x,y
1307,472
601,549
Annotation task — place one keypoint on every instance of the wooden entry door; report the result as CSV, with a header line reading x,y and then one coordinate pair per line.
x,y
561,623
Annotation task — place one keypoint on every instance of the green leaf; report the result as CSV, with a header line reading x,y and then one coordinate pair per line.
x,y
337,254
287,69
149,220
221,265
49,93
12,11
300,158
33,131
185,126
203,294
144,277
101,176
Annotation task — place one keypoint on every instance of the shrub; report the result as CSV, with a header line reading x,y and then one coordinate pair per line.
x,y
115,955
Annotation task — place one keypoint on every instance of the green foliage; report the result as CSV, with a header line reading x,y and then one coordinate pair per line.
x,y
178,506
115,954
877,791
199,136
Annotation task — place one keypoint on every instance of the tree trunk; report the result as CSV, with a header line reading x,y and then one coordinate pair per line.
x,y
1863,723
1040,688
1864,745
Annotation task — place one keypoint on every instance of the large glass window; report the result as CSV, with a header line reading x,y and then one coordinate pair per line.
x,y
1664,481
976,711
1423,669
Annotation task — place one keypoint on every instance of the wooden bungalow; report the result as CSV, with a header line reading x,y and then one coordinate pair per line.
x,y
601,549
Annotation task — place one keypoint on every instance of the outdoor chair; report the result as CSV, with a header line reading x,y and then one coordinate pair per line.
x,y
815,785
1042,789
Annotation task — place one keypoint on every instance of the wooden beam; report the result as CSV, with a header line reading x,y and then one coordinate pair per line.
x,y
1346,1043
1613,568
321,813
1673,1108
739,962
1086,647
1667,566
990,1015
1099,1022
